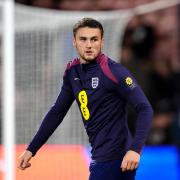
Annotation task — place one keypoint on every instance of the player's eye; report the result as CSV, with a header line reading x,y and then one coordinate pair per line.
x,y
82,39
94,39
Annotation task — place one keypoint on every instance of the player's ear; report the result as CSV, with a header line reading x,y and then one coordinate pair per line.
x,y
74,42
102,42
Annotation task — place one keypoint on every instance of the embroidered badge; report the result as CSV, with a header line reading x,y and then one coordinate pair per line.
x,y
130,82
95,82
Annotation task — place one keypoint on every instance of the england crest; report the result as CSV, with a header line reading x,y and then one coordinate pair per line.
x,y
95,82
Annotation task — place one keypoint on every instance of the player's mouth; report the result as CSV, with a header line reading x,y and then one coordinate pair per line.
x,y
89,52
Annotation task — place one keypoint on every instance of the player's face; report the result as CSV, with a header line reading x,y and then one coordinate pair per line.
x,y
88,42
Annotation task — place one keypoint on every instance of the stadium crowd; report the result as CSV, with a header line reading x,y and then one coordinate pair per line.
x,y
84,4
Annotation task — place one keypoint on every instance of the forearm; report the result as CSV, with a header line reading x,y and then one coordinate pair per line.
x,y
51,121
143,124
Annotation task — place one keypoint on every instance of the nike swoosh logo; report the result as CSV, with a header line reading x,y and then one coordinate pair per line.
x,y
76,79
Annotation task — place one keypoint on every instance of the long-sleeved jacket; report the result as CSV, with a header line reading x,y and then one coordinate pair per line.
x,y
102,89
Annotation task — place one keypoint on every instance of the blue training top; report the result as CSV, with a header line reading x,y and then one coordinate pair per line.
x,y
102,89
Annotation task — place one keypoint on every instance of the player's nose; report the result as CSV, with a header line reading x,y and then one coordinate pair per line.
x,y
88,44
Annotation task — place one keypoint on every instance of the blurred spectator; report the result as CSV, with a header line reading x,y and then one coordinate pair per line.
x,y
27,2
164,96
43,3
138,43
75,4
84,4
39,3
93,4
150,51
140,38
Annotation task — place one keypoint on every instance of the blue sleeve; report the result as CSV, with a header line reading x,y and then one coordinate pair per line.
x,y
53,117
129,89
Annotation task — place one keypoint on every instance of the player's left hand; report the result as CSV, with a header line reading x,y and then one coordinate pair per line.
x,y
130,161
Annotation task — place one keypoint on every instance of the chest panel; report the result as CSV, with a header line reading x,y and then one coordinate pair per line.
x,y
89,90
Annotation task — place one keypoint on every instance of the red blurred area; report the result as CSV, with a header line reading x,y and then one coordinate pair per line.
x,y
57,162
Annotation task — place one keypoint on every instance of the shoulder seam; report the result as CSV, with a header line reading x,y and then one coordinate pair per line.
x,y
106,69
72,63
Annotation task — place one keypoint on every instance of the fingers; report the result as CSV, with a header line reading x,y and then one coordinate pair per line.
x,y
124,165
136,165
24,165
24,159
130,161
129,165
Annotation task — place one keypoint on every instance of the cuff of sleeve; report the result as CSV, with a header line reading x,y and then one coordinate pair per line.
x,y
137,149
33,152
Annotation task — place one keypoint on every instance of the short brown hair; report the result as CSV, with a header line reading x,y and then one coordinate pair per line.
x,y
88,22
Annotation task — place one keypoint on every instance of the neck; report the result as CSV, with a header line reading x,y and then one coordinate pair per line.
x,y
82,61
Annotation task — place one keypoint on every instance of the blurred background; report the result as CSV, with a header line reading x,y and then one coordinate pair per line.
x,y
143,35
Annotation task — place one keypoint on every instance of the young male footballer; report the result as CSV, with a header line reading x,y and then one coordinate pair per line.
x,y
102,88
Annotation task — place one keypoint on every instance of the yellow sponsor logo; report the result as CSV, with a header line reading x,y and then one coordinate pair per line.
x,y
83,99
129,81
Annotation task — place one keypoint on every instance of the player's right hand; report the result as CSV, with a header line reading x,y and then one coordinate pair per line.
x,y
23,161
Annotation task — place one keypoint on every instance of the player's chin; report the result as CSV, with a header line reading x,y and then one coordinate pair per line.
x,y
90,57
